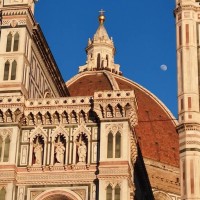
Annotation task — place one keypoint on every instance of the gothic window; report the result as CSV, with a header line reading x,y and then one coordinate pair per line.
x,y
107,60
60,148
117,192
12,42
114,145
9,42
98,61
118,145
6,71
10,74
38,151
6,149
109,192
2,193
16,42
110,146
13,70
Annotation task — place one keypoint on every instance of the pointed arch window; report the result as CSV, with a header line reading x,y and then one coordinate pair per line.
x,y
6,71
6,149
12,42
117,192
2,193
110,146
109,192
107,60
98,61
118,145
114,145
16,42
9,42
13,70
10,72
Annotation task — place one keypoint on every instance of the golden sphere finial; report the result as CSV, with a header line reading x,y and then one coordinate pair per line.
x,y
102,16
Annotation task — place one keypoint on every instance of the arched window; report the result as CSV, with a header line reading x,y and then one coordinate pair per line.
x,y
16,42
13,70
110,146
9,42
117,192
6,149
98,61
6,71
107,60
118,145
109,192
2,193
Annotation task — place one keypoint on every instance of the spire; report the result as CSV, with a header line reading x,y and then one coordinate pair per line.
x,y
100,50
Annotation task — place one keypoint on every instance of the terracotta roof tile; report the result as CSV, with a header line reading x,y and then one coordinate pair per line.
x,y
156,131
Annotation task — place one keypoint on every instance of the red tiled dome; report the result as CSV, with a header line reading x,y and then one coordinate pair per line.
x,y
156,130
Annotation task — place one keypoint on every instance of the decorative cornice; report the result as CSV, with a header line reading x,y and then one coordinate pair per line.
x,y
188,127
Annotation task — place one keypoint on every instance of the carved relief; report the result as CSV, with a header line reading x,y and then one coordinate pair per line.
x,y
21,193
25,136
114,128
24,155
94,151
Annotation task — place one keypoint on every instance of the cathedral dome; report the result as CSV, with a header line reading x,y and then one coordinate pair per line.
x,y
156,129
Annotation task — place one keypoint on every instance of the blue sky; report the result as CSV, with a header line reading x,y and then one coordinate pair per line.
x,y
143,34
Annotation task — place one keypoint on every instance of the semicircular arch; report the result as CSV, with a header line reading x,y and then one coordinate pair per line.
x,y
55,194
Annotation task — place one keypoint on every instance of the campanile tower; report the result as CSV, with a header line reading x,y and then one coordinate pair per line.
x,y
187,14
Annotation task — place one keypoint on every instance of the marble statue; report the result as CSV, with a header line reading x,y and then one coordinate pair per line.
x,y
59,151
38,149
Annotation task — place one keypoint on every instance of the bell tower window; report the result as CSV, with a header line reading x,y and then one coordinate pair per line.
x,y
16,42
6,71
10,74
9,42
110,146
12,42
117,192
2,193
4,149
109,192
13,70
118,145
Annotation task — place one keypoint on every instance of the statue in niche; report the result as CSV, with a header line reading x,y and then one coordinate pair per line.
x,y
82,150
38,149
59,151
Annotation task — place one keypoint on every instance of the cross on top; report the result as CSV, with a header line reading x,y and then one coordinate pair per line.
x,y
102,12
